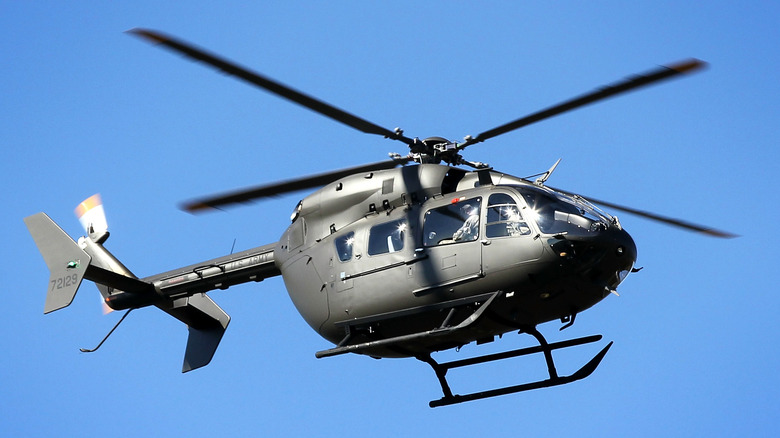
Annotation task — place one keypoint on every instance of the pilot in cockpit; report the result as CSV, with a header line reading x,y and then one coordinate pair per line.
x,y
470,228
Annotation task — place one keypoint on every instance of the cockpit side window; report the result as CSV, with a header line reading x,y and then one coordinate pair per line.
x,y
386,238
344,246
545,206
504,218
558,213
456,222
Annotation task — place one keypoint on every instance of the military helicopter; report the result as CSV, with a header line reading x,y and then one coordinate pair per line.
x,y
400,258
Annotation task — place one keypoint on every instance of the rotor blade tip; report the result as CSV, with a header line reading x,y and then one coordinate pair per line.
x,y
150,35
688,65
721,234
196,207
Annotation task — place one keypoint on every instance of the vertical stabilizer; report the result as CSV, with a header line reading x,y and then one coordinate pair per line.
x,y
66,261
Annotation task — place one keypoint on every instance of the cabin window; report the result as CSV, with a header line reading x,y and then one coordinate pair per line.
x,y
344,246
386,238
504,218
296,235
456,222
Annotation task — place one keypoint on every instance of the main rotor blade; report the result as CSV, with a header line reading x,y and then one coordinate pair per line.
x,y
269,84
661,73
293,185
656,217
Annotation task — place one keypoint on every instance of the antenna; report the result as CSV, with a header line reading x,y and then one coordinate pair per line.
x,y
87,350
540,181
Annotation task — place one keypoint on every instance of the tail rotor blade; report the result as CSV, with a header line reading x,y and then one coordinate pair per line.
x,y
92,217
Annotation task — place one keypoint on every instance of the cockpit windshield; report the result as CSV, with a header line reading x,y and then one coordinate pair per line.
x,y
557,213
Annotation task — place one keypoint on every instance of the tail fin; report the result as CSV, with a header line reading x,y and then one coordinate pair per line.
x,y
66,261
70,262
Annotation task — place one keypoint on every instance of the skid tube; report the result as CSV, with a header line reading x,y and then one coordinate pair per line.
x,y
555,380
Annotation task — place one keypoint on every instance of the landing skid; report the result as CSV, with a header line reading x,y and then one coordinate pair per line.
x,y
449,398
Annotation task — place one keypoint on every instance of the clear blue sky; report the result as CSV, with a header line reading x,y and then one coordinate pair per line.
x,y
87,108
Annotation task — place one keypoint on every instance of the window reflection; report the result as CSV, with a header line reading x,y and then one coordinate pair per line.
x,y
344,246
504,218
456,222
386,238
562,214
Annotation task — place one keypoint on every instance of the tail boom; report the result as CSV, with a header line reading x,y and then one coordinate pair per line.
x,y
181,293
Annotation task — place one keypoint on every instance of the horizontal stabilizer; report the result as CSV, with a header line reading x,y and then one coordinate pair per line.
x,y
206,322
66,261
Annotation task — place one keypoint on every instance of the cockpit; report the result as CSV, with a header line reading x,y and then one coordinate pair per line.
x,y
557,213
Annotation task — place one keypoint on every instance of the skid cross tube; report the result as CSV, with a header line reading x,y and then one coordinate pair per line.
x,y
449,398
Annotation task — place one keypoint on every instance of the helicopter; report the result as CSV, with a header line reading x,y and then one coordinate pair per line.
x,y
401,258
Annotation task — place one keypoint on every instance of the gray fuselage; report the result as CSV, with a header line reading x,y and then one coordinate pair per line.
x,y
383,253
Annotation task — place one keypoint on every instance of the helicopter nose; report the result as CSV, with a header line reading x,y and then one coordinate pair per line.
x,y
623,256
